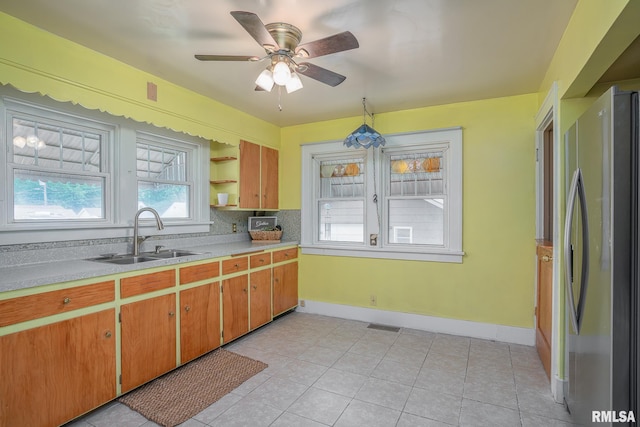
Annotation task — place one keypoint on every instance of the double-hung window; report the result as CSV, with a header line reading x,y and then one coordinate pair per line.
x,y
341,195
164,176
401,201
58,167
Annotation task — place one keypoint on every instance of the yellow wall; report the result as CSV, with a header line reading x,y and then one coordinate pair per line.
x,y
34,60
495,282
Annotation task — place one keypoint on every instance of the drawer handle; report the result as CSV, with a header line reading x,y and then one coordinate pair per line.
x,y
236,265
171,314
286,255
244,290
261,259
254,287
107,334
187,308
66,300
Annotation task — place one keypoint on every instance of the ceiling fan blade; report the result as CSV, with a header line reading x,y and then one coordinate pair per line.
x,y
226,58
332,44
254,26
321,74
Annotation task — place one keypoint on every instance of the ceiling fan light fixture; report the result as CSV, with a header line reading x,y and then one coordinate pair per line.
x,y
281,73
294,83
265,80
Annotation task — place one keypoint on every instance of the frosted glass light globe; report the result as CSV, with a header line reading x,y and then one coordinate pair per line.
x,y
281,73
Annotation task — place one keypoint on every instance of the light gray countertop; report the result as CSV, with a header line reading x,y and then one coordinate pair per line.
x,y
24,276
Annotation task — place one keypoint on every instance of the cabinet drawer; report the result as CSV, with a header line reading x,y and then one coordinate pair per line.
x,y
285,255
234,265
195,273
136,285
31,307
260,260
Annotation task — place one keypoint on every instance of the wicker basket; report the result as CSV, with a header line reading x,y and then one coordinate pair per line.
x,y
266,236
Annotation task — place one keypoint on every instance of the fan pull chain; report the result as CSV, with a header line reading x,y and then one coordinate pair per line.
x,y
279,97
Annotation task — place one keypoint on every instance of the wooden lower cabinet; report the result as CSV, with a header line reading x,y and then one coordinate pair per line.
x,y
53,373
235,307
148,339
199,321
285,287
260,298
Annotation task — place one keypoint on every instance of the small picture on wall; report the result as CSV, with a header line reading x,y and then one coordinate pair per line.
x,y
258,223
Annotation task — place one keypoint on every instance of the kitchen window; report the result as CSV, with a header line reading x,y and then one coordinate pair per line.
x,y
163,176
70,173
401,201
58,170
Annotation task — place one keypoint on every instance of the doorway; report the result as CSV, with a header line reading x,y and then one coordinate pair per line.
x,y
544,252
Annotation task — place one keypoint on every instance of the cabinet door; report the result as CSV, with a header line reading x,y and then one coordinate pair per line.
x,y
199,321
148,339
53,373
285,287
260,303
249,175
235,307
269,178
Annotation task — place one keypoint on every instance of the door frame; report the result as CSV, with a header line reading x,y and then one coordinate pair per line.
x,y
549,114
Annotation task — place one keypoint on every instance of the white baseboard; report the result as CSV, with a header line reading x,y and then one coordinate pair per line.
x,y
488,331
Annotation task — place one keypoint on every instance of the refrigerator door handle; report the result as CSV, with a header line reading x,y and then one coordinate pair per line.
x,y
577,189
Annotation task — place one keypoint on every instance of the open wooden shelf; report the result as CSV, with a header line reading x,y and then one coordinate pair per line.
x,y
223,159
224,181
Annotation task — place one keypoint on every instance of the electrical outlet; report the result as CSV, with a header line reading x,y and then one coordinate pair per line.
x,y
373,240
373,300
301,303
234,227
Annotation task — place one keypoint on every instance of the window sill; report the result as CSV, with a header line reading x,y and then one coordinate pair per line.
x,y
386,253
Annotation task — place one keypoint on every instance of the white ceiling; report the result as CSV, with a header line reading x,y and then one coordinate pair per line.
x,y
412,53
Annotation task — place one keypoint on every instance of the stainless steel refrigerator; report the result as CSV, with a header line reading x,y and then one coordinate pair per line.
x,y
601,261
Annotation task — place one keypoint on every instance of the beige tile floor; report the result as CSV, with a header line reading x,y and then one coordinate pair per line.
x,y
325,371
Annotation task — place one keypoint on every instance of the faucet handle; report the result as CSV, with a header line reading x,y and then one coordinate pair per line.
x,y
158,248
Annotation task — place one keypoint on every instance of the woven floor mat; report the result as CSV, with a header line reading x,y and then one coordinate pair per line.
x,y
179,395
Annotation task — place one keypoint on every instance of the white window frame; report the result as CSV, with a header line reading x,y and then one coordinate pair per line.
x,y
451,251
169,143
121,193
348,155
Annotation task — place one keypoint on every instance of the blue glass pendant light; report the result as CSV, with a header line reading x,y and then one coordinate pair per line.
x,y
365,136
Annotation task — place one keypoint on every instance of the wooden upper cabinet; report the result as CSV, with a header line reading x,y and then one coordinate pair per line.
x,y
269,178
258,176
249,175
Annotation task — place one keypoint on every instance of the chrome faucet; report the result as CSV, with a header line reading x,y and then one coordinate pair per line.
x,y
138,240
